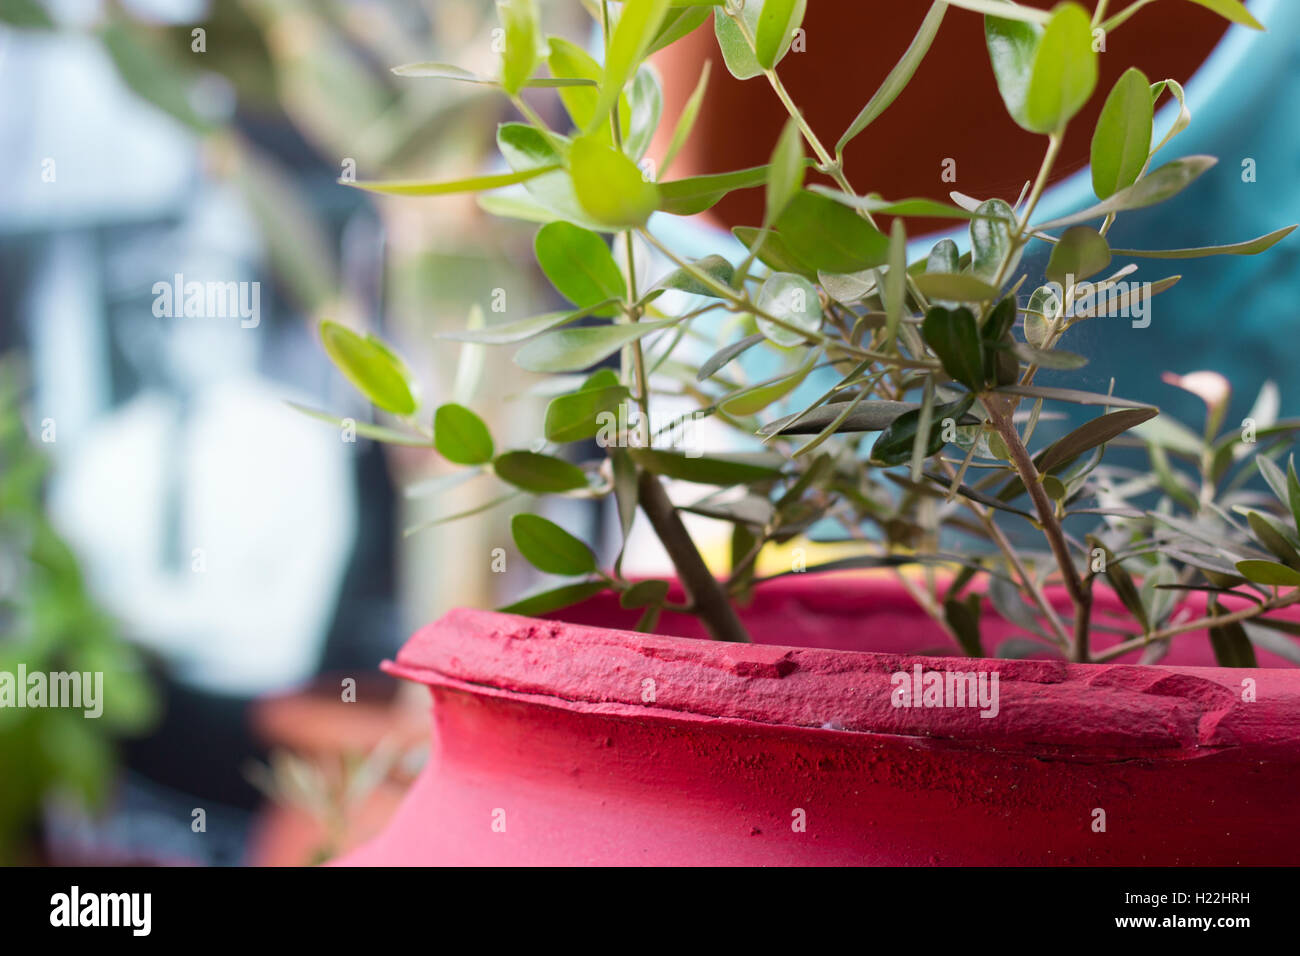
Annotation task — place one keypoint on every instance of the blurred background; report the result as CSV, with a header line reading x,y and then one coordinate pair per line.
x,y
232,564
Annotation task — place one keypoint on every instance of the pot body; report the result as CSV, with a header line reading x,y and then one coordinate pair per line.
x,y
558,743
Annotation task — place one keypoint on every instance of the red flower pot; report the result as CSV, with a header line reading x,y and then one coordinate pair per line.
x,y
579,743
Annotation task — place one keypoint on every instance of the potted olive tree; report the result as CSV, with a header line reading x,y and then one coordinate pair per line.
x,y
1115,690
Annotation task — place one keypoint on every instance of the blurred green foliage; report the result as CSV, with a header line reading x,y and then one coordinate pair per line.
x,y
50,623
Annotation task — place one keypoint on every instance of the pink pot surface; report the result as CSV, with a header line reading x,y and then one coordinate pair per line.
x,y
569,743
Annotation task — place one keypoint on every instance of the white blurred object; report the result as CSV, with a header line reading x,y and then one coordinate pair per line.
x,y
265,528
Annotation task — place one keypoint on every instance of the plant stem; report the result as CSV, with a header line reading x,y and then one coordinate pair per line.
x,y
742,302
985,516
708,599
706,595
1080,595
1099,13
1245,614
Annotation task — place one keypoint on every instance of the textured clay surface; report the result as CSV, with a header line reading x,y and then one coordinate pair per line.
x,y
571,743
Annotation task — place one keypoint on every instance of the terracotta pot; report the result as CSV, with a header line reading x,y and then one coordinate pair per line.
x,y
950,110
576,743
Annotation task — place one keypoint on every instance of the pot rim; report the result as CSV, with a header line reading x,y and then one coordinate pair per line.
x,y
1087,711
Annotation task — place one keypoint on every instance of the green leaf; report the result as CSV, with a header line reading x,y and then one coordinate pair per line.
x,y
963,616
575,416
1269,640
865,416
1089,435
1293,490
370,366
1273,540
458,515
677,22
517,331
1169,180
714,266
579,265
1275,476
954,336
754,510
470,364
990,238
475,184
1184,117
828,236
690,112
1121,141
774,252
576,66
695,194
1114,304
544,602
550,548
944,258
522,43
749,401
1248,248
919,206
1232,647
448,71
147,68
792,299
898,77
1007,601
542,474
1170,433
1004,8
460,436
645,104
895,283
1081,252
736,51
1044,358
777,22
1070,395
784,171
1012,45
609,186
725,354
637,27
1232,10
1001,319
572,350
1064,71
894,446
738,469
1122,584
379,433
644,594
954,286
26,15
525,208
626,495
1269,573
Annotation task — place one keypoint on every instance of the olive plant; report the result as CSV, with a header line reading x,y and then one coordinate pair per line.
x,y
916,435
